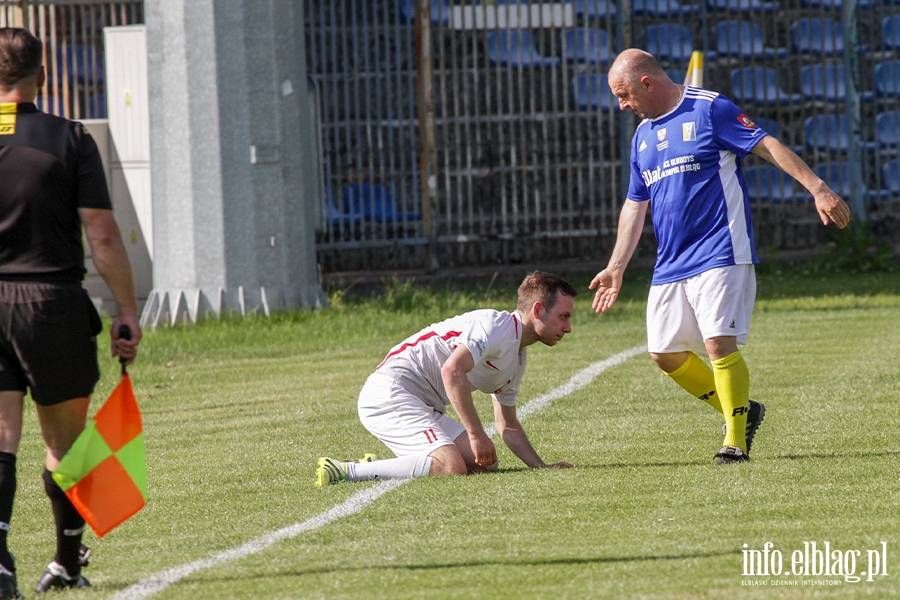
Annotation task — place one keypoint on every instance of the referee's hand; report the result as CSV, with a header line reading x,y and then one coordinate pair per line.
x,y
125,349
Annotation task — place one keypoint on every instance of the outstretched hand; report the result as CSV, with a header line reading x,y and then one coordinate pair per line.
x,y
608,285
559,465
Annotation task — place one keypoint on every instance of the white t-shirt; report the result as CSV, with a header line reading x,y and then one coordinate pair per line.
x,y
493,338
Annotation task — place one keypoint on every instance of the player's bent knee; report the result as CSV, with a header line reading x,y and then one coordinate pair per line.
x,y
447,461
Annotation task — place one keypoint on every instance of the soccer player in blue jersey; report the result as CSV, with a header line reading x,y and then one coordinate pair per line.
x,y
686,162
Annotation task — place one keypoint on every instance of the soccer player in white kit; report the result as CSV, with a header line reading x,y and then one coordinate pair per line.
x,y
685,163
403,403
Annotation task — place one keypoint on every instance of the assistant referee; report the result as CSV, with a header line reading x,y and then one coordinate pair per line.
x,y
52,184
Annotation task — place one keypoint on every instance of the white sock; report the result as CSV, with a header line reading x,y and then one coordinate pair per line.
x,y
404,467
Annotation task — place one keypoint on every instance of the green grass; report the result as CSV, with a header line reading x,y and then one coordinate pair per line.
x,y
236,413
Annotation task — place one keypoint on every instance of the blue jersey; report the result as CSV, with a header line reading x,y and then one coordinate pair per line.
x,y
687,163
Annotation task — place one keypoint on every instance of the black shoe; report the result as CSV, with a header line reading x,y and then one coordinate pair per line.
x,y
755,417
9,589
730,454
57,578
754,420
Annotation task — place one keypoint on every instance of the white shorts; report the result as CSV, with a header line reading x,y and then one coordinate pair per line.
x,y
401,420
718,302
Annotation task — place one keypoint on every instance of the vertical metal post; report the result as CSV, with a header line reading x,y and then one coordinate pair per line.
x,y
626,130
851,66
425,111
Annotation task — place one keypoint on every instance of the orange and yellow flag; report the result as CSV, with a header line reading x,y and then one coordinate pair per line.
x,y
104,473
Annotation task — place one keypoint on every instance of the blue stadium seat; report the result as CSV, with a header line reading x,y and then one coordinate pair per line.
x,y
664,8
516,48
759,85
590,91
587,45
890,175
837,175
887,129
669,42
890,28
743,6
768,183
373,202
887,78
743,39
82,63
828,82
440,11
770,126
335,216
834,4
829,133
826,133
817,35
595,9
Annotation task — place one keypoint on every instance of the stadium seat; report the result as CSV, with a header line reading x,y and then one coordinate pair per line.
x,y
82,63
595,9
664,8
590,91
669,42
890,175
440,11
837,175
770,126
743,39
817,35
887,78
828,82
373,202
768,183
336,216
743,6
516,48
835,4
887,129
890,28
587,45
759,85
829,133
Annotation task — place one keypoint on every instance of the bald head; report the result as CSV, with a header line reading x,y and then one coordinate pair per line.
x,y
640,84
632,64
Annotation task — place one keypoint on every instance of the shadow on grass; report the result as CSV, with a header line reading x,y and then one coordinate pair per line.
x,y
572,561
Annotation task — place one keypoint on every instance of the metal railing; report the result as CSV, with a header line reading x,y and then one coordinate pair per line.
x,y
72,32
530,151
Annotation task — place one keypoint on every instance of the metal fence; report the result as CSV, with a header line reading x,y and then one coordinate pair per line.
x,y
497,140
72,32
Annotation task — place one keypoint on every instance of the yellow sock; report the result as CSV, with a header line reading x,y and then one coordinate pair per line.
x,y
733,384
697,378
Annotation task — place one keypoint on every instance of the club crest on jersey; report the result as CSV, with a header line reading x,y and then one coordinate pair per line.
x,y
746,121
661,134
688,132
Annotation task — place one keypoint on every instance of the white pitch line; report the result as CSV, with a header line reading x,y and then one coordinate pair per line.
x,y
156,583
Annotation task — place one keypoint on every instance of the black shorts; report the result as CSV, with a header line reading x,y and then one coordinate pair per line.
x,y
48,341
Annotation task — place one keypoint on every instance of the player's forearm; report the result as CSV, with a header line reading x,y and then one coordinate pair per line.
x,y
787,160
631,225
517,441
460,395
